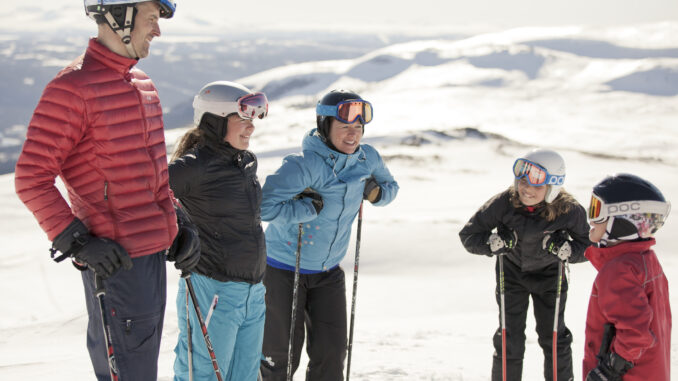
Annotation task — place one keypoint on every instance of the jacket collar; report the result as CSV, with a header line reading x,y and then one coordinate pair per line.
x,y
103,55
599,256
337,160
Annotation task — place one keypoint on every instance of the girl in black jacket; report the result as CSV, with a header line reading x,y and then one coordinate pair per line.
x,y
533,227
215,178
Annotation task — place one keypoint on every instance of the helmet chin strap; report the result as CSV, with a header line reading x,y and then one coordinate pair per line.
x,y
605,240
125,32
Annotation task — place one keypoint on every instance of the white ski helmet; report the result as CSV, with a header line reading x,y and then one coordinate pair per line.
x,y
552,163
119,15
223,98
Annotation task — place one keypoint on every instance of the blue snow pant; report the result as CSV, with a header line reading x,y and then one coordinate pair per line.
x,y
542,286
135,309
235,328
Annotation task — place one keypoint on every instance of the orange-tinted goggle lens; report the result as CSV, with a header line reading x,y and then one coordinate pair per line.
x,y
350,111
595,208
535,174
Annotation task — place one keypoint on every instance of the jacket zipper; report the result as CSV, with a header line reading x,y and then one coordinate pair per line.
x,y
156,185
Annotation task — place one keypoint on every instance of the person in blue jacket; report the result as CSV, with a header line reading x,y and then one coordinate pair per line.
x,y
322,187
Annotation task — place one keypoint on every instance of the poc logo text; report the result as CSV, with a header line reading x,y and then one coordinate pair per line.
x,y
623,207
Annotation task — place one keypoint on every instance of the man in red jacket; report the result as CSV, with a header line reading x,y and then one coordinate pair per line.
x,y
628,326
99,127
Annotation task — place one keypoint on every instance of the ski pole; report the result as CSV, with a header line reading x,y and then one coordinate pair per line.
x,y
189,334
187,277
609,331
554,353
100,293
355,290
503,316
295,297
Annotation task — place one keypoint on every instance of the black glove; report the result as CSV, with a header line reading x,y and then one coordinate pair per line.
x,y
610,368
315,198
502,241
104,256
558,244
185,250
372,191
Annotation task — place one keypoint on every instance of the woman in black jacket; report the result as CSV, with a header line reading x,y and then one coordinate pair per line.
x,y
215,178
533,227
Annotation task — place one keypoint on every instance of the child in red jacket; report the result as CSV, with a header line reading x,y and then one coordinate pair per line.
x,y
628,325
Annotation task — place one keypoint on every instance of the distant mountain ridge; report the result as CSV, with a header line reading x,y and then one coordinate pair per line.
x,y
178,66
290,64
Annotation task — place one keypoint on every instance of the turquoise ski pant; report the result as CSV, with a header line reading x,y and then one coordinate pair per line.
x,y
235,314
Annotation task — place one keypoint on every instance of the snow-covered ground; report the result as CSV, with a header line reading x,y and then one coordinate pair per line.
x,y
450,119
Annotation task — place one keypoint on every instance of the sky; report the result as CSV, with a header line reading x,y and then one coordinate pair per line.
x,y
216,15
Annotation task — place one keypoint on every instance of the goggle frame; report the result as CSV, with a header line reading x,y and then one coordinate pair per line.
x,y
342,111
599,211
523,168
259,109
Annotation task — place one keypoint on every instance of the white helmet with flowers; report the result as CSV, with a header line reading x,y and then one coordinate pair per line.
x,y
119,15
541,167
223,98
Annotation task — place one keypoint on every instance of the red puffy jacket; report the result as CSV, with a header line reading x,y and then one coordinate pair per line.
x,y
631,292
99,126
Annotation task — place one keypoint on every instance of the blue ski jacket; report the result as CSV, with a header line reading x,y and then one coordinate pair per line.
x,y
339,179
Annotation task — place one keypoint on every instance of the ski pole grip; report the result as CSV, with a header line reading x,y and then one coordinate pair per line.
x,y
98,285
609,331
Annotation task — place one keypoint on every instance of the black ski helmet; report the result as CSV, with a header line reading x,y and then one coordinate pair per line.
x,y
623,187
331,99
641,220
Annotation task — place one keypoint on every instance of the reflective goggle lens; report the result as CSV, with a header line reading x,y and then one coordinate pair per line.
x,y
350,111
347,111
595,208
253,106
535,174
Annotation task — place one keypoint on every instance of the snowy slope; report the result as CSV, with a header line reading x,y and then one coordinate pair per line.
x,y
450,118
554,83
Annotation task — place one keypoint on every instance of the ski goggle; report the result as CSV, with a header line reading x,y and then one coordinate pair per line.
x,y
167,8
599,210
535,174
253,106
347,111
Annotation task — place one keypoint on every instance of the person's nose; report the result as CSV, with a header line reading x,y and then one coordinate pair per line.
x,y
156,30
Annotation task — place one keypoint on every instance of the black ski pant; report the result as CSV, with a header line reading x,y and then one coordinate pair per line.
x,y
135,309
542,286
321,308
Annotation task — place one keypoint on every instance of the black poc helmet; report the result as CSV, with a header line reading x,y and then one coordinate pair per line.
x,y
331,99
634,207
